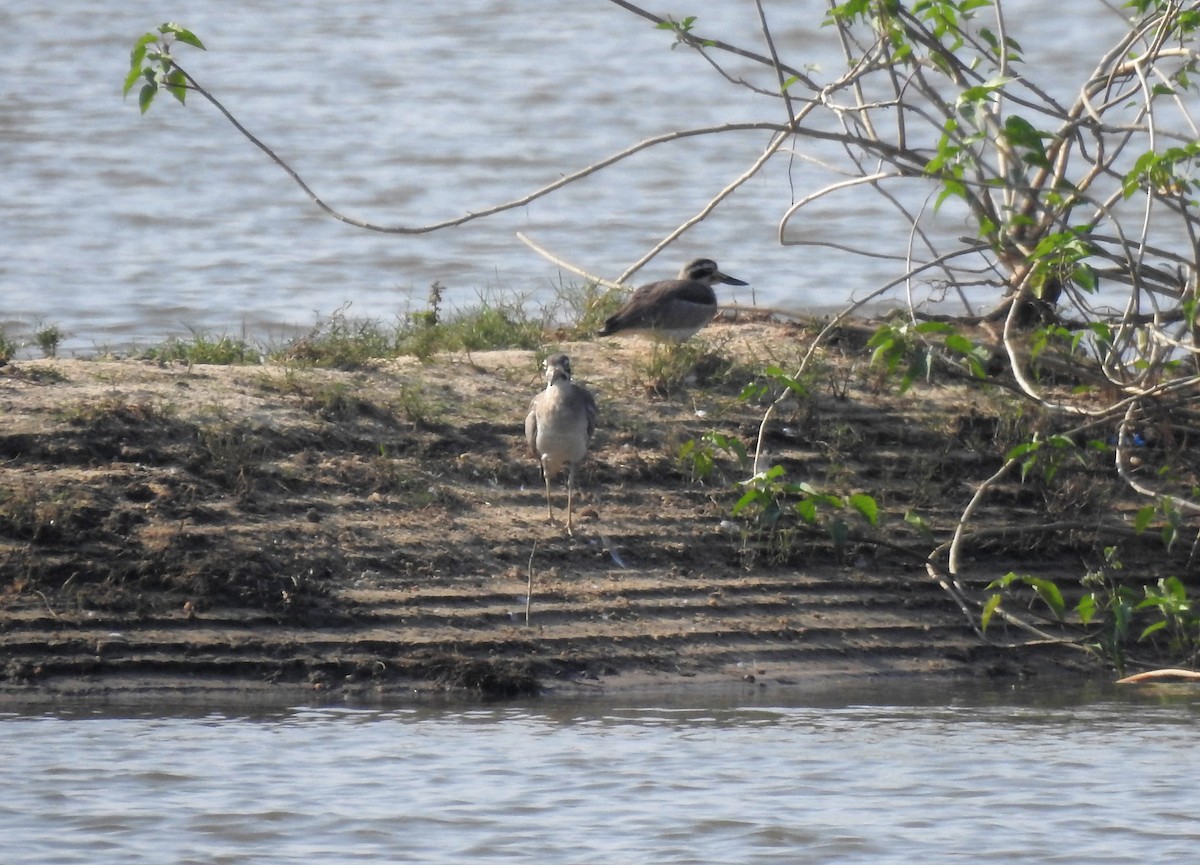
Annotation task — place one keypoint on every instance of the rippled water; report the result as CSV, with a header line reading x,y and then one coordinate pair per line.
x,y
121,228
871,777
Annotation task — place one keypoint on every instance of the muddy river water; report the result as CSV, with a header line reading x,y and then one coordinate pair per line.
x,y
121,229
892,774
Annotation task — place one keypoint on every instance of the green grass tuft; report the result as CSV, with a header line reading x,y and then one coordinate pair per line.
x,y
204,348
8,347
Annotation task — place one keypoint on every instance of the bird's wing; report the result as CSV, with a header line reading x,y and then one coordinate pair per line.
x,y
531,429
647,305
589,404
692,292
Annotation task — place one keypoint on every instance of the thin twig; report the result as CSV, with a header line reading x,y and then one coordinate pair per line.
x,y
529,587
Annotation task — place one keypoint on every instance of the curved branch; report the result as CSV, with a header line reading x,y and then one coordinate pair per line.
x,y
563,263
472,215
708,208
826,190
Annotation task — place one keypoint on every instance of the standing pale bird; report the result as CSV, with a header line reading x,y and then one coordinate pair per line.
x,y
559,428
671,310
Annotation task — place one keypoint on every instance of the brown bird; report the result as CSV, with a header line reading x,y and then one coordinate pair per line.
x,y
559,428
671,310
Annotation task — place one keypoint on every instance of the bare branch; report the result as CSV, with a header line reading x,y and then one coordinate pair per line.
x,y
677,135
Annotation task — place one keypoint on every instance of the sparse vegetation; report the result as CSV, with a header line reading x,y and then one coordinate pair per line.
x,y
204,348
48,338
8,348
340,342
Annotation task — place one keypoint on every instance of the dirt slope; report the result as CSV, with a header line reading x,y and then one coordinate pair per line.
x,y
165,528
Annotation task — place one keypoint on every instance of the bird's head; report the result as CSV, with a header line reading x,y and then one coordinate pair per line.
x,y
557,366
705,270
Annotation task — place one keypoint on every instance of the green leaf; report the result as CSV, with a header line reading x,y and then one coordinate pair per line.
x,y
956,342
1142,521
883,351
786,380
1150,629
182,34
1049,593
918,522
1004,582
1085,277
748,498
176,85
146,96
988,609
950,189
807,510
1086,608
135,73
1174,587
1022,450
1021,133
753,391
866,506
771,474
138,54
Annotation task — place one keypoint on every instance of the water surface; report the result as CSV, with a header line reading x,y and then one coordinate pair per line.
x,y
872,776
119,228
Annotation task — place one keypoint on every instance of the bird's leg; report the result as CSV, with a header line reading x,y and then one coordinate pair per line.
x,y
549,509
570,498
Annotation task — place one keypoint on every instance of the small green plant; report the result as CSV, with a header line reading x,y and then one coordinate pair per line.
x,y
420,335
777,511
1045,589
431,316
490,325
48,337
337,401
1109,607
116,410
1051,453
1171,519
668,367
699,456
8,348
414,403
231,454
585,307
1179,621
340,342
33,513
908,349
204,348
